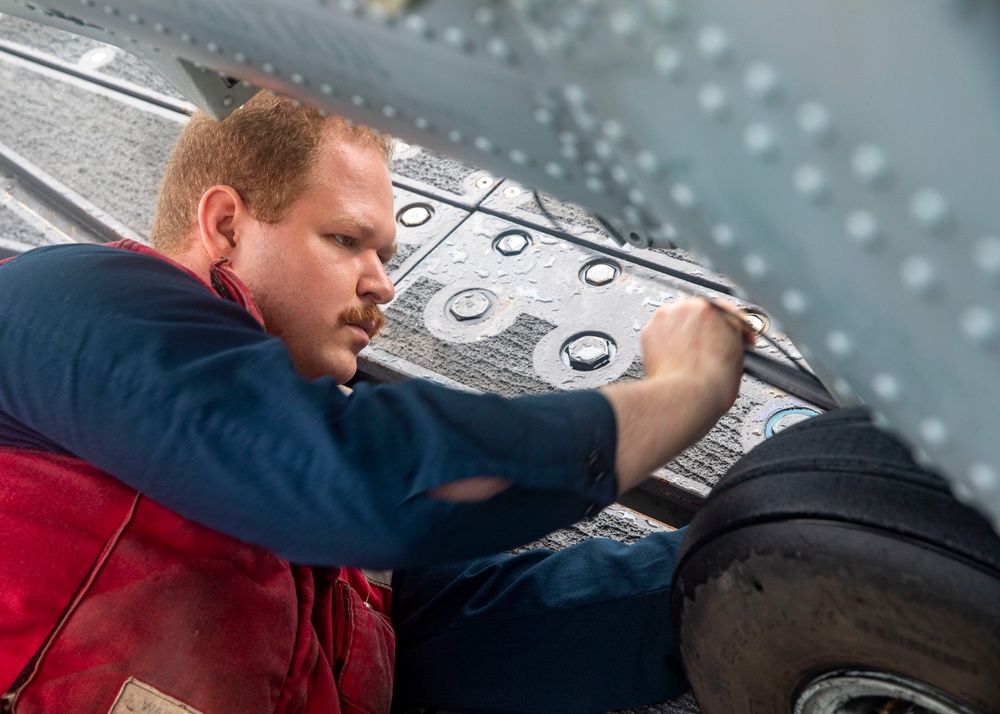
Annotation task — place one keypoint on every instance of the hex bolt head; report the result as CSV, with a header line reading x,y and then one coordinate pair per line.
x,y
512,243
600,273
415,215
469,305
588,352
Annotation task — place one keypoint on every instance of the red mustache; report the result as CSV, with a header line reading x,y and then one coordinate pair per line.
x,y
368,317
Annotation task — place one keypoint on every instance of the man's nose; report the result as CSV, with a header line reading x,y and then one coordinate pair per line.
x,y
375,285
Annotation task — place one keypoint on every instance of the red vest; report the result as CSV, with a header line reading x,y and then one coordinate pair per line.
x,y
110,602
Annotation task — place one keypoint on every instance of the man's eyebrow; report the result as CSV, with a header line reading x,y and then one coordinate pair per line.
x,y
361,227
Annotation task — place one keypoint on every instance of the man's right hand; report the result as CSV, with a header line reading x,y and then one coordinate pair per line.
x,y
693,355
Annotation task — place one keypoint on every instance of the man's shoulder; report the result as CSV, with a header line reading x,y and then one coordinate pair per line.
x,y
88,267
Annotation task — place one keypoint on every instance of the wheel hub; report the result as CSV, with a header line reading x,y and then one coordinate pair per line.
x,y
857,692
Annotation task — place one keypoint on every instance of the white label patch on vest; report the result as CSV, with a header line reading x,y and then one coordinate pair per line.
x,y
138,697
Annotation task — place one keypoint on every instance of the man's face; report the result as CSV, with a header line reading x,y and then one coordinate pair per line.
x,y
318,274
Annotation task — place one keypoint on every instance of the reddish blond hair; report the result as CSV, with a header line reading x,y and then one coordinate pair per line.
x,y
265,150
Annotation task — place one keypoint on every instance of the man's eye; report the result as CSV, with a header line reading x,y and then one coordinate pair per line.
x,y
345,241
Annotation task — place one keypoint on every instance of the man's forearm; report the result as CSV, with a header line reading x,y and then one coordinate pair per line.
x,y
657,419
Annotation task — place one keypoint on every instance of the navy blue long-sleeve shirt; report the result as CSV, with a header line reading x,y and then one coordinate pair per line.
x,y
129,363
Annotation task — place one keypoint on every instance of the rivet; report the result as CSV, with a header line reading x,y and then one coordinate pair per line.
x,y
570,152
186,38
594,168
568,137
298,79
110,10
862,229
842,388
227,101
637,197
933,432
511,192
869,164
134,19
794,301
98,57
683,196
518,157
647,162
485,16
978,325
814,120
358,101
759,141
918,274
594,184
326,89
761,81
667,12
455,37
160,28
388,111
470,305
415,215
484,181
455,136
886,387
755,266
620,175
240,57
668,61
603,149
613,130
983,478
544,116
483,144
267,67
986,253
810,182
499,50
723,235
575,94
930,209
600,273
881,421
713,43
421,123
624,23
588,352
418,25
713,100
632,214
512,243
212,47
839,343
555,170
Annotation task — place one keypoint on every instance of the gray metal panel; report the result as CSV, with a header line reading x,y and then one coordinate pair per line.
x,y
836,158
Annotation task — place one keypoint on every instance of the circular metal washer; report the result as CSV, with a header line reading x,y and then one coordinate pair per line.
x,y
415,214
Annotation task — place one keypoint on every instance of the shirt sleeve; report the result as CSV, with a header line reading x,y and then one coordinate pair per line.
x,y
128,363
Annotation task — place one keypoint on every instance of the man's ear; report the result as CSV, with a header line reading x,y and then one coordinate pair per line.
x,y
219,211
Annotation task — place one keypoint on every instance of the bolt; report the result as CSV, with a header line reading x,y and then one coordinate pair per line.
x,y
512,243
416,215
600,273
512,192
469,305
484,182
589,352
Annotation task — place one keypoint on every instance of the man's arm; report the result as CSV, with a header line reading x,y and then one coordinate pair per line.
x,y
124,361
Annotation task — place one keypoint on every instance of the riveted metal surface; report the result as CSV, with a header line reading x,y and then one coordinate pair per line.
x,y
432,174
541,307
436,220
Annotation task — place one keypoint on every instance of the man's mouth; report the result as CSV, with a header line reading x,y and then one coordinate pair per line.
x,y
369,328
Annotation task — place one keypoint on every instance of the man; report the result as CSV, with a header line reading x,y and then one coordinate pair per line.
x,y
173,439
